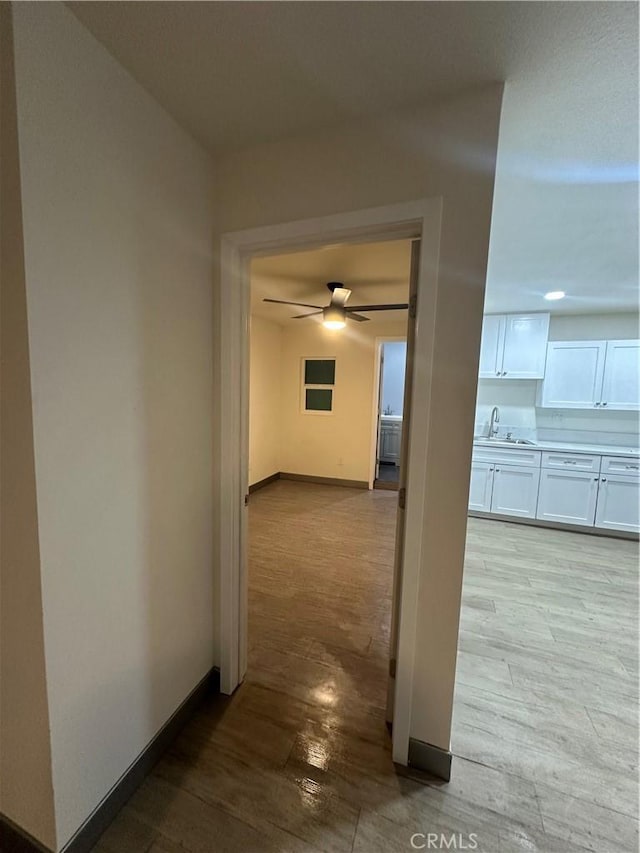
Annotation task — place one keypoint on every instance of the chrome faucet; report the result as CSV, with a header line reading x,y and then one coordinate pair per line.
x,y
493,421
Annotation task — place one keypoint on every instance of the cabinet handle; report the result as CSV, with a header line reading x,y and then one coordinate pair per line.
x,y
504,372
497,470
604,479
633,467
498,373
570,462
604,404
596,404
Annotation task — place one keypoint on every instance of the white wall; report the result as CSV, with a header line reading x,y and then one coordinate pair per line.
x,y
431,151
284,438
265,399
341,444
517,398
395,359
26,787
117,237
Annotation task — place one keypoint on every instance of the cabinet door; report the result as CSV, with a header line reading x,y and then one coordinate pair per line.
x,y
621,385
619,503
396,442
568,497
385,434
525,346
491,346
515,490
480,486
573,376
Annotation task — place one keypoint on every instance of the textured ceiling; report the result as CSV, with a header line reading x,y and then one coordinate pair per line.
x,y
374,272
565,212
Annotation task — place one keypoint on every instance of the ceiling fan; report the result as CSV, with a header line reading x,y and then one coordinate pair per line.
x,y
335,315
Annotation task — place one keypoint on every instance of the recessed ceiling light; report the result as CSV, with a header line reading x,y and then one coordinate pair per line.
x,y
554,294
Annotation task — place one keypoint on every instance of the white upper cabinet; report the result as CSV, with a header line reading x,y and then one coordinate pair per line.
x,y
591,375
574,374
621,384
491,346
525,346
513,346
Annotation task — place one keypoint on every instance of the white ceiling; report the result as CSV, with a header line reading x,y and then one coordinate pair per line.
x,y
375,273
565,213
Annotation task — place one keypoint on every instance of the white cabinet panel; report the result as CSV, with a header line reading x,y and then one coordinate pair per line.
x,y
525,346
619,503
574,373
491,346
515,490
621,385
390,441
571,461
567,496
508,455
626,465
480,486
514,346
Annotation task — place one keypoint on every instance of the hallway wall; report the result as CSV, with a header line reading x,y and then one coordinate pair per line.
x,y
26,788
117,204
445,149
265,399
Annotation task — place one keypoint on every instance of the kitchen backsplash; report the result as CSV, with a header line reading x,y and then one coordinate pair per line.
x,y
519,415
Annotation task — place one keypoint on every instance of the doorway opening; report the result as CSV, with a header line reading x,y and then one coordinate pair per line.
x,y
321,542
392,362
417,219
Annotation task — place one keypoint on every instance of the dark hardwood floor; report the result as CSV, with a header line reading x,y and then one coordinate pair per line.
x,y
545,728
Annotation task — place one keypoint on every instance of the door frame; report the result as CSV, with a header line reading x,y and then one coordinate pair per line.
x,y
419,219
377,386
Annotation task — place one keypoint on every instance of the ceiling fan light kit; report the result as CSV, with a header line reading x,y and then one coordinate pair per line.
x,y
334,315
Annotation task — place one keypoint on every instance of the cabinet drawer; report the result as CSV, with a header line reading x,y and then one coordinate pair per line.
x,y
571,461
507,456
630,467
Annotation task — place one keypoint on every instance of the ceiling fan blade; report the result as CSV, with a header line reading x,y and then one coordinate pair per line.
x,y
397,306
339,296
299,304
353,316
310,314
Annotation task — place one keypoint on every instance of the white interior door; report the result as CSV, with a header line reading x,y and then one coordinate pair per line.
x,y
404,454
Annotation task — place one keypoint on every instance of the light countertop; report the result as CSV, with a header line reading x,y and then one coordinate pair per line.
x,y
603,449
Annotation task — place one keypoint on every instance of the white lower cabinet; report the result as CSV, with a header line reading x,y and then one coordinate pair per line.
x,y
390,441
586,490
503,489
515,490
619,503
481,486
568,497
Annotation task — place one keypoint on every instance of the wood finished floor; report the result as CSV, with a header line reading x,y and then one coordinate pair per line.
x,y
545,729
